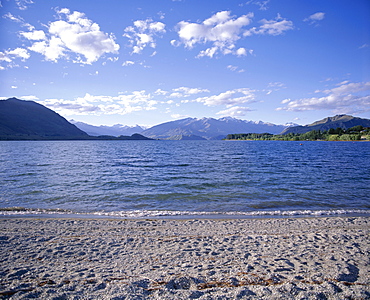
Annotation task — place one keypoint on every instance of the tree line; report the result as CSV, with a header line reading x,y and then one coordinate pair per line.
x,y
355,133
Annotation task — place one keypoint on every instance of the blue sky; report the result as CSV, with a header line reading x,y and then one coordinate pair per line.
x,y
147,62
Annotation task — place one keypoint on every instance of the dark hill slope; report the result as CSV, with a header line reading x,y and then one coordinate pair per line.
x,y
29,120
342,121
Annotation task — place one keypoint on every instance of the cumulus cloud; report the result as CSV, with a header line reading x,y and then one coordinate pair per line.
x,y
313,19
276,26
346,98
229,98
97,105
142,34
35,35
74,35
235,111
8,57
221,30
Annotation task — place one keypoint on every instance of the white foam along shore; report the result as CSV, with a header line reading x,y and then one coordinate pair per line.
x,y
287,258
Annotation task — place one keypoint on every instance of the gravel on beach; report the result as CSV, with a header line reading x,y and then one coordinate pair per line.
x,y
272,258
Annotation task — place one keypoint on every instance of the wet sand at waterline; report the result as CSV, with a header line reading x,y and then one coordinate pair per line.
x,y
285,258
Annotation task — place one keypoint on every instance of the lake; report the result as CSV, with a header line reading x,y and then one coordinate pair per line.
x,y
182,178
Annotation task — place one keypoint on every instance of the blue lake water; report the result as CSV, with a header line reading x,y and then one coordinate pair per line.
x,y
166,178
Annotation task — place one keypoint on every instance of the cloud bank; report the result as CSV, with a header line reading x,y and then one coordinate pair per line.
x,y
347,98
122,104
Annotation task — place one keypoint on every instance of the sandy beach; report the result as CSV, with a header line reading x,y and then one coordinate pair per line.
x,y
286,258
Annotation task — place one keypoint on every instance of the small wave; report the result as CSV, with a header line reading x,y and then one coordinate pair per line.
x,y
22,211
147,213
6,211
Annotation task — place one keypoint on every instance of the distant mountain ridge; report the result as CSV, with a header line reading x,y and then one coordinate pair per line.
x,y
30,120
342,121
115,130
209,128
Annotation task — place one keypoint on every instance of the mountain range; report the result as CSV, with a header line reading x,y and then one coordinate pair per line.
x,y
339,121
115,130
209,128
21,119
186,129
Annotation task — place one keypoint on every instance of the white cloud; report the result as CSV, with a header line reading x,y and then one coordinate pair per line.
x,y
241,52
13,18
262,4
19,52
235,111
9,56
160,92
313,19
229,98
275,86
175,43
190,91
35,35
235,69
175,95
128,63
182,92
18,19
271,27
185,92
76,35
347,87
179,116
232,68
221,30
23,4
141,35
97,105
347,98
29,98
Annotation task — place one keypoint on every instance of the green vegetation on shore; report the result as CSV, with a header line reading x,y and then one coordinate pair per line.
x,y
355,133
